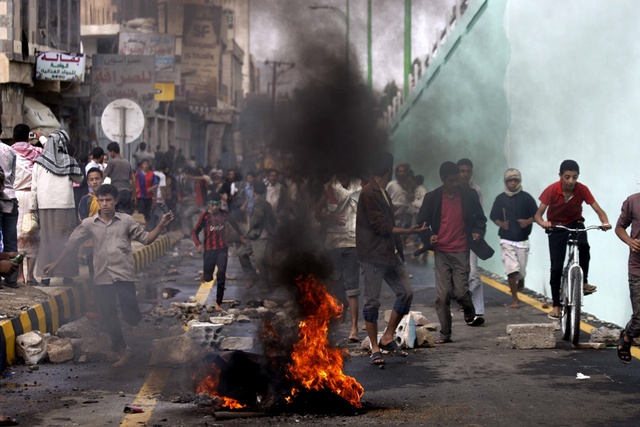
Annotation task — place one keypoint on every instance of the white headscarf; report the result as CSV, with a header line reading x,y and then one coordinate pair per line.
x,y
510,174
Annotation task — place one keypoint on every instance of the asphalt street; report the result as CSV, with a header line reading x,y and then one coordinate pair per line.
x,y
477,380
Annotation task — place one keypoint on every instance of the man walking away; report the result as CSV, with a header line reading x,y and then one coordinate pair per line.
x,y
120,172
337,209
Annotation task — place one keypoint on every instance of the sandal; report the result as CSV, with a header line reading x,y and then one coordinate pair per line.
x,y
376,359
588,289
624,349
393,348
554,315
474,321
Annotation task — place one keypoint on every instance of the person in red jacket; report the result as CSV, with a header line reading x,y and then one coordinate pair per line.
x,y
564,199
146,184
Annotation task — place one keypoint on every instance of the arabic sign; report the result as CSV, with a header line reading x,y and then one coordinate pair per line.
x,y
115,76
201,53
60,66
160,45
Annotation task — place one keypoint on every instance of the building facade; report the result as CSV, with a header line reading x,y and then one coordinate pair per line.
x,y
29,28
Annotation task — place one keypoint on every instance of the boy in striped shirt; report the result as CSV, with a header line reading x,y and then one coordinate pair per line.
x,y
215,249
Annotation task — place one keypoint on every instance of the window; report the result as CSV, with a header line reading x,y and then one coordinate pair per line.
x,y
230,18
58,24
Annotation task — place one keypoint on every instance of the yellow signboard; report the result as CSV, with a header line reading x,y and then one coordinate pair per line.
x,y
165,92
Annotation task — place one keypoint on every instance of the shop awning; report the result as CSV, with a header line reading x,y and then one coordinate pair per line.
x,y
39,117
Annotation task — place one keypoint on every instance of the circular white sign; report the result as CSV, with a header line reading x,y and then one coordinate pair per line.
x,y
122,120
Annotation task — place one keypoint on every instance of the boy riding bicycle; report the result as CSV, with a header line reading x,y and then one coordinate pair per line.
x,y
564,200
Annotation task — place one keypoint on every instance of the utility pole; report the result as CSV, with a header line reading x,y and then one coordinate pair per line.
x,y
274,77
369,46
407,46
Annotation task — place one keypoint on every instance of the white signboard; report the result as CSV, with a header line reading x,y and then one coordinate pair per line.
x,y
162,46
60,66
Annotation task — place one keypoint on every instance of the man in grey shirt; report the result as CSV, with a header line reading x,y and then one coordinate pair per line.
x,y
111,233
121,175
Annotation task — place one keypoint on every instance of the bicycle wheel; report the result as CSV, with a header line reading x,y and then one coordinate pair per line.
x,y
576,288
565,319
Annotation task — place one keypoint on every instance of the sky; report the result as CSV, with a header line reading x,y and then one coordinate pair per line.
x,y
276,26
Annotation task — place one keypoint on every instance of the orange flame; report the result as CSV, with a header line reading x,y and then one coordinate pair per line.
x,y
315,365
210,386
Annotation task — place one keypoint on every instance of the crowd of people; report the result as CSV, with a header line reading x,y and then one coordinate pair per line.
x,y
366,223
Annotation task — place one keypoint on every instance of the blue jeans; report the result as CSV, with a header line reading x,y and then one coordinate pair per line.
x,y
9,223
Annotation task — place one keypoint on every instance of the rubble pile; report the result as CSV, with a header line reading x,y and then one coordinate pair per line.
x,y
78,341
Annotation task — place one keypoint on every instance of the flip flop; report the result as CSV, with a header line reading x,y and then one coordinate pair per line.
x,y
624,349
376,359
555,315
352,339
443,341
393,348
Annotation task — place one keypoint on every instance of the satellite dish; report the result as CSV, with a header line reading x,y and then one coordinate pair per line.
x,y
122,121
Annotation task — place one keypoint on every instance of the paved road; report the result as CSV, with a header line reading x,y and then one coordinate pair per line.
x,y
477,380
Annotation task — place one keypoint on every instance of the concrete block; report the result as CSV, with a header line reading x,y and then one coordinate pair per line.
x,y
60,350
591,345
366,342
419,318
95,349
533,335
607,336
424,338
173,351
242,318
406,332
237,343
432,326
206,336
81,328
271,305
31,347
222,320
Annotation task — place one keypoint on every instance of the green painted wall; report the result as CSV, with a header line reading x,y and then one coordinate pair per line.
x,y
531,83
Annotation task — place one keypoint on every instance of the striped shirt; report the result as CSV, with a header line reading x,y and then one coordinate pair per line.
x,y
215,232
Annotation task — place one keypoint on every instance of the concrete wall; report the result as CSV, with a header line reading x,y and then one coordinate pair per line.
x,y
531,83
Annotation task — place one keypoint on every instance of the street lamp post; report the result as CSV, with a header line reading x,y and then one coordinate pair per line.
x,y
344,16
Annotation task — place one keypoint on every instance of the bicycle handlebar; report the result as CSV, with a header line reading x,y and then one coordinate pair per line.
x,y
577,230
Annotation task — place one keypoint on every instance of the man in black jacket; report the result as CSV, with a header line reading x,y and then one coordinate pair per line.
x,y
379,249
456,225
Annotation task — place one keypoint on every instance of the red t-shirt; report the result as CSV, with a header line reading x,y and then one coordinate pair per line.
x,y
451,237
561,212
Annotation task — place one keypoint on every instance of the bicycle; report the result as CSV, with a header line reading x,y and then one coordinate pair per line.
x,y
571,286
